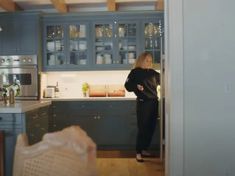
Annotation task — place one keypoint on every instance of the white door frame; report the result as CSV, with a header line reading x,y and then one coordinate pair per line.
x,y
174,165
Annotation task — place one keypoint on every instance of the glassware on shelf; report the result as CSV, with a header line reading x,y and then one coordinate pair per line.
x,y
98,32
121,31
131,29
50,59
55,32
73,32
73,45
58,45
50,46
151,30
82,45
127,30
78,58
82,31
77,31
107,58
99,59
104,30
60,59
108,31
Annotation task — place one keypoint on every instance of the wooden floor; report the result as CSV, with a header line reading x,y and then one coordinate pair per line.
x,y
124,164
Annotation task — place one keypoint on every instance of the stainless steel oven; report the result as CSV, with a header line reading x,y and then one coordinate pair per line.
x,y
22,69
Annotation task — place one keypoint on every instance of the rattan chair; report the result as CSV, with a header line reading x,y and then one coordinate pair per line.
x,y
69,152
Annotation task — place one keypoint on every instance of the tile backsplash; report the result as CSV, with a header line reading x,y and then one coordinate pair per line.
x,y
70,83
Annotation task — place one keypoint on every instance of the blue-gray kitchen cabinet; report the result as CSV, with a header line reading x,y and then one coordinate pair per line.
x,y
34,123
115,43
20,33
113,40
153,37
111,124
65,45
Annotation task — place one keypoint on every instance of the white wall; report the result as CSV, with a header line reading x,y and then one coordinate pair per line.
x,y
70,83
208,89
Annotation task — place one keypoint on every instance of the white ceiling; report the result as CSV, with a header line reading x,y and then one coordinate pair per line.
x,y
84,5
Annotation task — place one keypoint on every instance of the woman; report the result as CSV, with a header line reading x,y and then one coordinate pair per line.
x,y
143,81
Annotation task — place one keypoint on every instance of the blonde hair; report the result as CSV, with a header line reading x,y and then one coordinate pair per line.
x,y
140,60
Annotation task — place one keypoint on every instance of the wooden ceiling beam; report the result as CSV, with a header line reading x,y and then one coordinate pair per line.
x,y
60,5
9,5
159,5
111,5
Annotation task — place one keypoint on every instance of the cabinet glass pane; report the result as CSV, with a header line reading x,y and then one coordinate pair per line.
x,y
103,30
55,59
78,44
55,45
127,43
54,32
152,40
104,43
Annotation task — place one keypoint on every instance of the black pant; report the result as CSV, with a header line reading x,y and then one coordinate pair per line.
x,y
147,111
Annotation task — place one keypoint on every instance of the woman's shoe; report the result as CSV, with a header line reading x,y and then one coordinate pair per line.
x,y
145,153
139,158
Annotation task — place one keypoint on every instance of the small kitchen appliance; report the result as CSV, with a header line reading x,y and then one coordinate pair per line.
x,y
49,92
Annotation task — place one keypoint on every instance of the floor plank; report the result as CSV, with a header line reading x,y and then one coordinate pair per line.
x,y
118,164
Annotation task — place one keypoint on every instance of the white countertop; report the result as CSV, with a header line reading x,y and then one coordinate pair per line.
x,y
90,98
23,106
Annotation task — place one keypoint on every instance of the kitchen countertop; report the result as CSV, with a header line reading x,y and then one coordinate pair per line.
x,y
90,98
23,106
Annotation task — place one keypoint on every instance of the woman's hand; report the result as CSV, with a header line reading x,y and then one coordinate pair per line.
x,y
140,87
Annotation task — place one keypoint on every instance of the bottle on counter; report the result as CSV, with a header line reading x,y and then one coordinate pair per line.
x,y
57,91
5,99
11,96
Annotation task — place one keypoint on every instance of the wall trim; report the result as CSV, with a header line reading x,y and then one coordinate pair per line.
x,y
174,165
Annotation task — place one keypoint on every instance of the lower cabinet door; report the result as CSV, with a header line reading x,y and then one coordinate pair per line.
x,y
110,124
10,141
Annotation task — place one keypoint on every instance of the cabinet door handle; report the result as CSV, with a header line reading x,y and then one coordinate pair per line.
x,y
1,118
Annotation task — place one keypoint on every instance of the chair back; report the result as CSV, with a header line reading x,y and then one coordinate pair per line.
x,y
69,152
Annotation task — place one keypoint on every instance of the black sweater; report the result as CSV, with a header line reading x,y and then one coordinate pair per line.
x,y
148,78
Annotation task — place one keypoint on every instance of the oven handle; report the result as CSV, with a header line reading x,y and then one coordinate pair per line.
x,y
25,66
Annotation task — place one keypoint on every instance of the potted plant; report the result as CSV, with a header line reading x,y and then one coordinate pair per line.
x,y
85,87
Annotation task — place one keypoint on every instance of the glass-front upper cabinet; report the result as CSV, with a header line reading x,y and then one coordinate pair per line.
x,y
152,40
55,43
115,43
127,42
78,45
103,45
